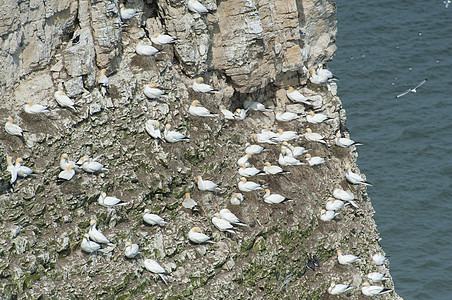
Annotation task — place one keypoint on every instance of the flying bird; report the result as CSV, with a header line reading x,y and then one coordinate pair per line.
x,y
412,90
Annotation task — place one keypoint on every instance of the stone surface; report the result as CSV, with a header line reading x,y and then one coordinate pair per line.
x,y
244,49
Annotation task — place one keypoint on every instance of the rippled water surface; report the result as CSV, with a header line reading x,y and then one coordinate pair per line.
x,y
384,48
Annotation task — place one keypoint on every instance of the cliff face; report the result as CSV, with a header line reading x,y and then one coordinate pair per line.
x,y
244,49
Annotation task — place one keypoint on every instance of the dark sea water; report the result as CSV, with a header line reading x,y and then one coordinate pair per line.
x,y
384,48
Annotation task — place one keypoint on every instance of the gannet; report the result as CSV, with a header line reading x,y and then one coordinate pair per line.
x,y
143,49
284,116
294,151
324,72
199,86
65,162
333,204
31,108
152,219
273,170
240,114
244,160
96,235
162,39
314,118
152,91
253,149
12,128
316,78
236,199
109,201
354,178
67,174
249,172
206,185
198,110
379,259
173,136
344,196
227,215
344,142
314,137
22,171
189,203
314,160
154,267
262,138
327,215
372,290
126,13
346,259
221,224
102,79
376,276
228,115
337,289
248,186
131,250
266,130
153,129
274,198
446,2
90,165
89,246
296,97
285,160
196,236
11,169
412,90
252,105
195,6
64,101
282,136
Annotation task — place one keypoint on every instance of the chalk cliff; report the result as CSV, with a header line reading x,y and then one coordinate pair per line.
x,y
245,49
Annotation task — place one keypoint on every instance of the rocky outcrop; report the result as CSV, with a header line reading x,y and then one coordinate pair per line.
x,y
246,50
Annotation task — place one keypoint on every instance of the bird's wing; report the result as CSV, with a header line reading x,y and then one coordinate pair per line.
x,y
403,94
420,83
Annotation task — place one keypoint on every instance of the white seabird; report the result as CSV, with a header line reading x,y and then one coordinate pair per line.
x,y
12,128
294,151
376,276
297,97
327,215
222,224
253,105
227,215
316,78
288,135
152,91
67,174
22,171
196,109
324,72
412,90
285,116
337,289
249,172
206,185
273,170
314,160
153,129
354,178
96,235
145,49
196,6
333,204
162,39
344,196
89,246
126,13
102,79
372,290
244,160
346,259
64,101
173,136
240,114
253,149
196,236
154,267
109,201
285,160
90,165
152,219
228,115
199,86
314,137
314,118
189,203
131,250
31,108
236,199
248,186
11,169
262,138
65,162
379,259
344,142
274,198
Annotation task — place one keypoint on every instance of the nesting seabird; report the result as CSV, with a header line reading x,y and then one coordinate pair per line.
x,y
337,289
314,160
197,7
227,215
153,129
222,224
152,91
196,236
196,109
131,250
152,219
12,128
109,201
67,174
327,215
354,178
346,259
206,185
199,86
173,136
274,198
372,290
296,96
64,101
162,39
248,186
31,108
